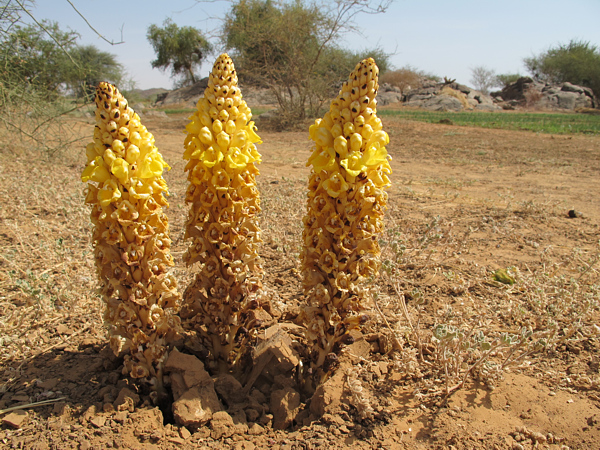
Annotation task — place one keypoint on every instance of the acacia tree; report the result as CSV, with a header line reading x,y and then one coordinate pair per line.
x,y
29,56
291,47
180,49
577,62
38,64
92,66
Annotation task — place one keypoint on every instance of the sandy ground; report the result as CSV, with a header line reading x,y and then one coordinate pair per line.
x,y
464,203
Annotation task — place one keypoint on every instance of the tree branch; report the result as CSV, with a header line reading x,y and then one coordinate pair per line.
x,y
93,29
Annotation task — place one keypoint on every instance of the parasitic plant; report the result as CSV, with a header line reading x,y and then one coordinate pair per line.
x,y
345,207
131,241
222,304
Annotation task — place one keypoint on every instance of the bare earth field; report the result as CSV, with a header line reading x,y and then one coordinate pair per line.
x,y
465,202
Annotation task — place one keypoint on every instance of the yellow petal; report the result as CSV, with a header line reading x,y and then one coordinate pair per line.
x,y
133,153
90,152
120,169
223,140
205,136
353,164
323,159
211,156
252,136
96,171
340,145
335,185
236,159
381,137
151,166
109,193
323,137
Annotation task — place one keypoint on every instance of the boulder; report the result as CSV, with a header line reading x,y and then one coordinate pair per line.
x,y
188,94
434,97
443,102
528,92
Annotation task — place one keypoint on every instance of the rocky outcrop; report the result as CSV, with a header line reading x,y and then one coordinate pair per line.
x,y
449,97
187,95
527,92
388,94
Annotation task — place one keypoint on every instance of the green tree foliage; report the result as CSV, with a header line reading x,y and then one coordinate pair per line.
x,y
292,48
49,61
91,67
577,62
504,79
38,64
180,49
29,56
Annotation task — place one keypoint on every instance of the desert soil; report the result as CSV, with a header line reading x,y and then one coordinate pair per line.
x,y
464,203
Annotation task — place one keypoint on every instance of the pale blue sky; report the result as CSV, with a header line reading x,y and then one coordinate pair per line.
x,y
442,37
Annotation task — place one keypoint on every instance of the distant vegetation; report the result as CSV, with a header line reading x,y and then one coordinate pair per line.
x,y
577,62
293,48
178,49
46,74
407,78
538,122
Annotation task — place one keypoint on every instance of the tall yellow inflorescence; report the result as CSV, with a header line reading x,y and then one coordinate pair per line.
x,y
221,303
345,207
131,236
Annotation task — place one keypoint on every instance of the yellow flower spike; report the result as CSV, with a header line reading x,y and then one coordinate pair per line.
x,y
344,215
222,225
122,181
